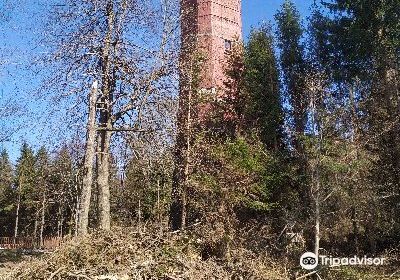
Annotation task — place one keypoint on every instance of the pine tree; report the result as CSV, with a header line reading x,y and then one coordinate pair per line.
x,y
64,193
6,193
292,62
262,87
42,166
294,76
25,184
364,42
227,116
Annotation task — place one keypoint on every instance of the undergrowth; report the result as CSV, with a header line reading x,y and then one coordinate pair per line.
x,y
125,253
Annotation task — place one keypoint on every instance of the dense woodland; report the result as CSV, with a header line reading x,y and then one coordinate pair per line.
x,y
301,153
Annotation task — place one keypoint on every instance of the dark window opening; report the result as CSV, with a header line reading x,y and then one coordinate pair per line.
x,y
228,45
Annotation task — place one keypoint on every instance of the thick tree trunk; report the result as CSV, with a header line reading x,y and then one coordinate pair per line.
x,y
88,164
103,175
103,172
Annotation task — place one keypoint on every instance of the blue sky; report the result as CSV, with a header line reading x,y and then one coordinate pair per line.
x,y
257,11
17,37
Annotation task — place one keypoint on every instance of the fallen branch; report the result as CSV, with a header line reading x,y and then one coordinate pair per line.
x,y
79,275
56,272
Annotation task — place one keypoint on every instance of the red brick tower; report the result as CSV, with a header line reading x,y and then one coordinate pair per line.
x,y
212,26
209,27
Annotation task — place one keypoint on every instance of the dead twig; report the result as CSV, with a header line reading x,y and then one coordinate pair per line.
x,y
60,269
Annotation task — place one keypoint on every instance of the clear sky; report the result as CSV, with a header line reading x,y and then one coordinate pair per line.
x,y
17,47
258,11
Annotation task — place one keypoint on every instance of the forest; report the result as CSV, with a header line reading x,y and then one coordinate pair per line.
x,y
146,176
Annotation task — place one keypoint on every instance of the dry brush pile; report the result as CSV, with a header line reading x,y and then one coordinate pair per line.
x,y
124,253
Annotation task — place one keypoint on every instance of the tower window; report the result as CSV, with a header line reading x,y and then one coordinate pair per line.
x,y
228,45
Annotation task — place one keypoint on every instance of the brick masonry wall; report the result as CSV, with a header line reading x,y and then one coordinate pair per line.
x,y
210,23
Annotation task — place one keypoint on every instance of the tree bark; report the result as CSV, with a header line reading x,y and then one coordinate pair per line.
x,y
78,200
87,181
158,204
60,221
177,211
42,220
317,219
17,216
177,215
17,211
103,180
140,217
354,140
36,224
103,172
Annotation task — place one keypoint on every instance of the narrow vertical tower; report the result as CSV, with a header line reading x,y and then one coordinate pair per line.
x,y
211,26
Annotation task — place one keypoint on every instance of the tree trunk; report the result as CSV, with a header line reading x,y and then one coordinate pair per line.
x,y
186,161
87,181
177,215
139,217
103,172
354,140
317,220
18,208
315,170
158,204
35,226
177,211
103,180
35,229
60,222
77,215
17,217
42,220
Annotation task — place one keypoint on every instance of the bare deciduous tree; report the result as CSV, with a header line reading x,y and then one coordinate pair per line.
x,y
131,53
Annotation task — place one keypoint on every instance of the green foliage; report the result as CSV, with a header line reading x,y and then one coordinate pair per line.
x,y
228,113
241,155
361,32
149,186
25,170
25,181
355,273
247,171
357,43
61,170
262,86
6,191
293,64
38,180
289,36
42,162
6,173
61,182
